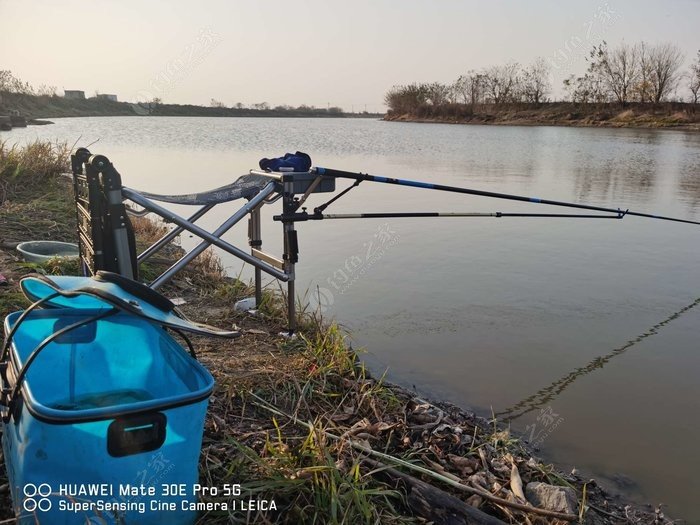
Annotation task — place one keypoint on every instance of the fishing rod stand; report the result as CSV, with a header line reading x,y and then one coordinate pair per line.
x,y
106,235
107,239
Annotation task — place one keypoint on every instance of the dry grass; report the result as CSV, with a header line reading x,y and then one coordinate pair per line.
x,y
147,230
35,203
624,116
29,169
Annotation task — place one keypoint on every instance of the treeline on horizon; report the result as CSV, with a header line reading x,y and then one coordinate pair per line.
x,y
44,101
624,75
158,107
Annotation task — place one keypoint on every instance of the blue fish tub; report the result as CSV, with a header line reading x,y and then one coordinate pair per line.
x,y
106,417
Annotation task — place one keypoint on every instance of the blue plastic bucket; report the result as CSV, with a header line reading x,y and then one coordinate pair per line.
x,y
105,409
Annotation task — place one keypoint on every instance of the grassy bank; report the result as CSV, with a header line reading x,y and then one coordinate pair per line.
x,y
301,422
44,106
666,115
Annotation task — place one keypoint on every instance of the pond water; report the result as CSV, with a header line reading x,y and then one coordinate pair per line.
x,y
582,333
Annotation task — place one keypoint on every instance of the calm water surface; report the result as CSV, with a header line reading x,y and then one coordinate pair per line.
x,y
582,333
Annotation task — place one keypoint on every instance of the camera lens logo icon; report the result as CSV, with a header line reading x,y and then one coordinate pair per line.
x,y
37,497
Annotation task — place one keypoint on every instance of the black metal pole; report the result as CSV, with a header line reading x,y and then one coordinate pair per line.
x,y
291,252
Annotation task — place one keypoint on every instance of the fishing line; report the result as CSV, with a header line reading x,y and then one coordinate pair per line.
x,y
547,394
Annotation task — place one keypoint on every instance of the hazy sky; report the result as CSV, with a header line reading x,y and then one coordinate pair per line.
x,y
314,52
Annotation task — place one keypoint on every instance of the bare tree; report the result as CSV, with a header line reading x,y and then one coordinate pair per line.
x,y
570,88
470,87
619,67
46,91
694,79
586,89
405,99
216,103
5,79
460,90
641,72
643,88
453,93
437,94
665,62
501,82
592,86
12,84
153,104
535,82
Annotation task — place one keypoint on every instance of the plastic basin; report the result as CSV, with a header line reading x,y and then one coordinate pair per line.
x,y
42,251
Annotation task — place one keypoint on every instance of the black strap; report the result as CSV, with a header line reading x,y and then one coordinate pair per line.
x,y
14,394
22,317
137,289
184,337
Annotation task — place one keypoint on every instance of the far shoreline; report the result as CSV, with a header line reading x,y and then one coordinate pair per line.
x,y
686,127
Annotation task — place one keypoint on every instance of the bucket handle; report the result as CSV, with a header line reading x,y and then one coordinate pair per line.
x,y
22,317
5,387
186,339
10,394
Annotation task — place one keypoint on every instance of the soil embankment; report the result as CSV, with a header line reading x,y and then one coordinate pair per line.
x,y
658,116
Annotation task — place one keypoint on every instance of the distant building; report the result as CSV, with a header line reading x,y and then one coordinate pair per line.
x,y
73,93
104,96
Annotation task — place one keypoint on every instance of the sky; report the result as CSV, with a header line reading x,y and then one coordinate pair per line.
x,y
313,52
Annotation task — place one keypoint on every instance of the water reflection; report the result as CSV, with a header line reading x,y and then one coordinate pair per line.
x,y
616,178
545,395
689,190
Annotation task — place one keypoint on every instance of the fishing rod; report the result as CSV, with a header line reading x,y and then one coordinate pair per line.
x,y
297,180
359,177
316,216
